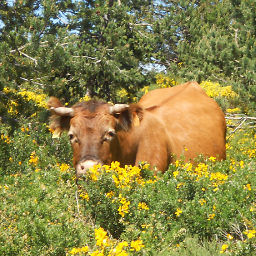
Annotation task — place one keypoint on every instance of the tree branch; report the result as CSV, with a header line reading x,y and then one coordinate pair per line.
x,y
24,54
31,80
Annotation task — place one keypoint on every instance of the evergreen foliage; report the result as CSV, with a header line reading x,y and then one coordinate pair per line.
x,y
212,40
75,48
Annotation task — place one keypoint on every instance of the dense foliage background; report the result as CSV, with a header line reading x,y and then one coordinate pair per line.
x,y
119,50
72,48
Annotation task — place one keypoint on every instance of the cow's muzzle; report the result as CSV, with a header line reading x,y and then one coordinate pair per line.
x,y
83,167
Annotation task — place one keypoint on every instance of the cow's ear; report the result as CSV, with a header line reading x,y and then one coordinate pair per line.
x,y
137,114
127,116
60,118
54,102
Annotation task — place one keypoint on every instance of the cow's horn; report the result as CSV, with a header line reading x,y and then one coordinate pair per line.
x,y
118,108
62,111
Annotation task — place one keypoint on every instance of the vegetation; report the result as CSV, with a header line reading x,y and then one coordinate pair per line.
x,y
74,48
205,209
81,49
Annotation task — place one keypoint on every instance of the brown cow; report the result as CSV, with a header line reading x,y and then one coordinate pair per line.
x,y
166,124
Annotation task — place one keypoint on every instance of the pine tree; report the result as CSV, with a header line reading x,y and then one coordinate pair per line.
x,y
72,48
213,40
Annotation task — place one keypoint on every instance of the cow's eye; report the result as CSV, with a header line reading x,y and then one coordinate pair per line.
x,y
71,136
110,134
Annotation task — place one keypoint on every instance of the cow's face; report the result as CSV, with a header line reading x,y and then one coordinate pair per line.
x,y
91,138
92,129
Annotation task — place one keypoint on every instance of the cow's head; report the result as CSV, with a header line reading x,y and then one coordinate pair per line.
x,y
92,128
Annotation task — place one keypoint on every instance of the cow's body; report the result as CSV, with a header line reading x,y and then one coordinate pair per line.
x,y
165,125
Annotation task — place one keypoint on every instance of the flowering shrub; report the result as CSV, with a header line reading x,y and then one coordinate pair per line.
x,y
164,81
215,90
23,101
107,246
206,208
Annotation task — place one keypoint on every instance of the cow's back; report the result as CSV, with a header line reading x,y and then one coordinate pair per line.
x,y
194,122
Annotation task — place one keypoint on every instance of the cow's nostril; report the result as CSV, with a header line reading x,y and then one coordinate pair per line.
x,y
82,167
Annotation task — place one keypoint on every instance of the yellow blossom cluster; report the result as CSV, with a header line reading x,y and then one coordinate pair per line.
x,y
95,172
224,248
178,212
143,206
64,167
214,90
136,245
201,170
38,99
5,138
164,81
82,250
84,196
124,206
219,177
250,233
85,98
108,246
124,177
233,110
101,237
12,107
33,158
122,93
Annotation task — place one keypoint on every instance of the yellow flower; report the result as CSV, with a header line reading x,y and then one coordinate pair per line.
x,y
33,158
101,237
202,201
178,212
219,177
143,206
233,110
85,249
223,248
84,196
211,216
248,187
97,253
214,90
137,245
85,98
175,174
250,233
63,167
212,158
124,207
118,251
75,251
110,194
229,237
179,185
